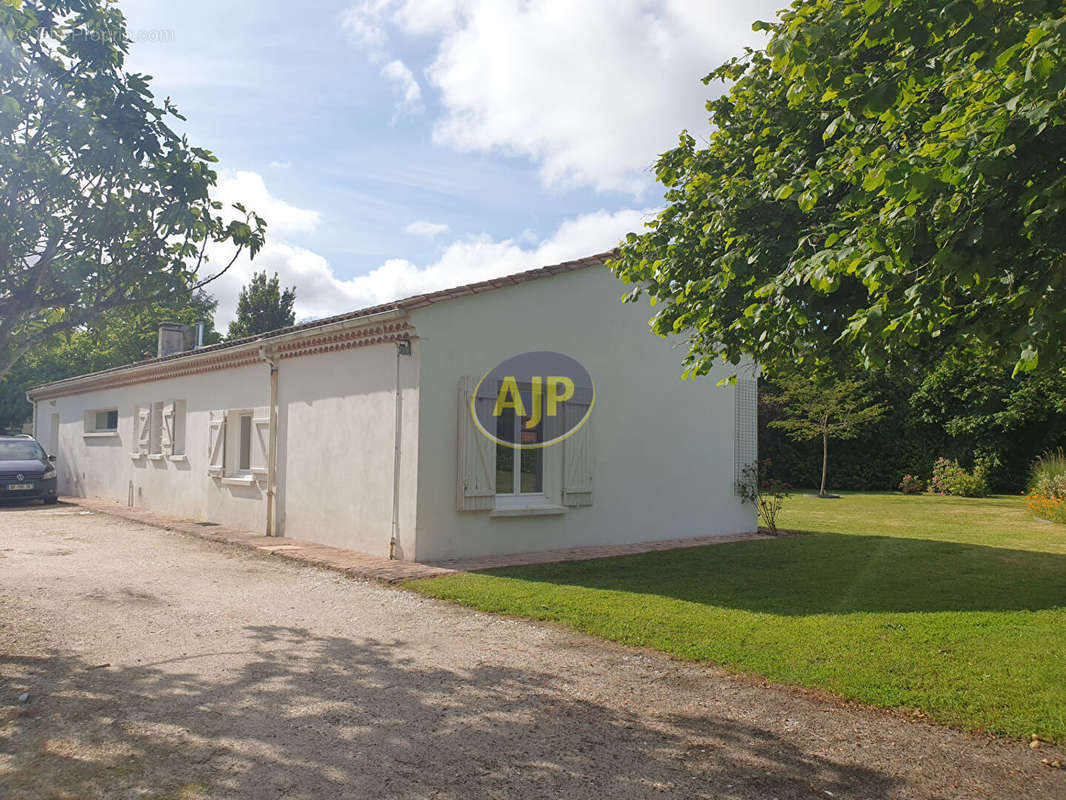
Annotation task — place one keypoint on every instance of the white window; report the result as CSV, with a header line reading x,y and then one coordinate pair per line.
x,y
104,420
239,442
507,481
519,472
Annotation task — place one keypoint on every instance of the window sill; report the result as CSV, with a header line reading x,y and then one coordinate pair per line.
x,y
155,456
536,510
100,434
177,458
238,480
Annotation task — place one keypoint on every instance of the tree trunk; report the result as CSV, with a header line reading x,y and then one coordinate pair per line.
x,y
825,462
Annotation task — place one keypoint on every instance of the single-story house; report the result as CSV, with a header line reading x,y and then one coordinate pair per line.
x,y
356,431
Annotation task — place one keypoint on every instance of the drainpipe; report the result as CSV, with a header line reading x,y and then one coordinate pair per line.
x,y
30,399
403,348
272,447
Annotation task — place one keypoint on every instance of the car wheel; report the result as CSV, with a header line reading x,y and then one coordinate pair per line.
x,y
51,501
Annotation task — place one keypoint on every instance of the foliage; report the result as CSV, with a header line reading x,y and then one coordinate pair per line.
x,y
823,408
950,478
262,307
766,493
120,337
911,485
895,601
978,404
102,205
885,179
1047,486
964,406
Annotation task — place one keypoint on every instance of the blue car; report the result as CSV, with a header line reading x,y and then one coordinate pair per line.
x,y
26,471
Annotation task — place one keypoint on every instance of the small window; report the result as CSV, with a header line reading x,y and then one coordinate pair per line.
x,y
155,441
244,446
103,420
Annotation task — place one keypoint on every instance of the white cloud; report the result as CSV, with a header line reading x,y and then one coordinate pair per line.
x,y
404,86
590,91
280,165
320,292
250,189
364,22
427,229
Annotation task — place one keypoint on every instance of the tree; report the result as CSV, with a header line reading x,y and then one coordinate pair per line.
x,y
887,178
102,205
825,408
262,307
122,336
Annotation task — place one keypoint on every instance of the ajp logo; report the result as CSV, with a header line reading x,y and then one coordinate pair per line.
x,y
533,400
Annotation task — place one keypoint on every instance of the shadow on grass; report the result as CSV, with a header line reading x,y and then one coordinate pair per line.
x,y
818,573
313,716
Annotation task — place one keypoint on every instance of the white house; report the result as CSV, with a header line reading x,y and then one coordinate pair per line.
x,y
355,431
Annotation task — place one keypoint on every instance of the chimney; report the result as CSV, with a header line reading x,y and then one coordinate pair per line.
x,y
171,338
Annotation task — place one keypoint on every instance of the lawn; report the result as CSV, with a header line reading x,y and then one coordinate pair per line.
x,y
953,606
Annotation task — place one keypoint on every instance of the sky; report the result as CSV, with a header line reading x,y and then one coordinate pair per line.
x,y
402,146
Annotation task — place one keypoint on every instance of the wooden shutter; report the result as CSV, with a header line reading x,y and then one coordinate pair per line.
x,y
216,444
476,489
260,445
177,437
166,430
577,454
745,434
143,431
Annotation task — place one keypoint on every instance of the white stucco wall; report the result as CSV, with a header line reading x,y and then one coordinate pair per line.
x,y
663,447
102,467
337,413
336,444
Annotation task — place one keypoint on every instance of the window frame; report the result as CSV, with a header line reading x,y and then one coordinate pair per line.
x,y
90,427
232,445
516,498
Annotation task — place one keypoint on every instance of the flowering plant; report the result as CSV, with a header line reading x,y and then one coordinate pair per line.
x,y
765,493
911,484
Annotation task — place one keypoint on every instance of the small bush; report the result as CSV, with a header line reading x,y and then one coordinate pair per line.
x,y
950,478
911,484
765,493
1047,487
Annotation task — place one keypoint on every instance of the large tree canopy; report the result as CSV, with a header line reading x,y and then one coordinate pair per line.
x,y
886,178
102,204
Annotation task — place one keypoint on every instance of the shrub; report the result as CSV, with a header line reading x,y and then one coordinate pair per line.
x,y
950,478
765,493
1047,487
911,484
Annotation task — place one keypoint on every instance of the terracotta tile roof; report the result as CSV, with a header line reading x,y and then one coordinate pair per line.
x,y
406,304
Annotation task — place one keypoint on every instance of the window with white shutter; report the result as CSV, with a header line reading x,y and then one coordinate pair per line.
x,y
216,445
177,429
476,489
142,420
166,431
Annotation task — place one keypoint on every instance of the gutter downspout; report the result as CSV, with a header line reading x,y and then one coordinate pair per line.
x,y
272,447
403,348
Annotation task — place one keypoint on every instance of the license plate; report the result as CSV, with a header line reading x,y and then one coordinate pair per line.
x,y
16,487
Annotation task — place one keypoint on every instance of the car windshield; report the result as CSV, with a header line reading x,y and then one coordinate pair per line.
x,y
20,451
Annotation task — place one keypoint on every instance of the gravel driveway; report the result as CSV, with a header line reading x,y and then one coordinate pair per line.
x,y
161,666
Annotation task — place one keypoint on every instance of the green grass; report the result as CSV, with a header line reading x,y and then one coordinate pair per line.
x,y
953,606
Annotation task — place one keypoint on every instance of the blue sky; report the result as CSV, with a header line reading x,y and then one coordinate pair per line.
x,y
399,146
